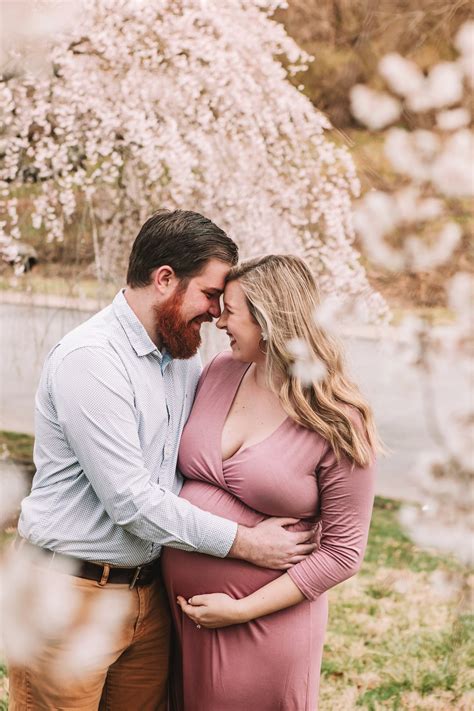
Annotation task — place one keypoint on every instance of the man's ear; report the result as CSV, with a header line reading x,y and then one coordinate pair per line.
x,y
164,280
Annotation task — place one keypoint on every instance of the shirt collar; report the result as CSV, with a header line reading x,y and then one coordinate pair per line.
x,y
135,331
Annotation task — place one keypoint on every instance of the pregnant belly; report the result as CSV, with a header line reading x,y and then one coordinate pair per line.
x,y
190,574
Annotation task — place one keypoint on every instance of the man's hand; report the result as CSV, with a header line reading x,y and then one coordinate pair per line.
x,y
270,545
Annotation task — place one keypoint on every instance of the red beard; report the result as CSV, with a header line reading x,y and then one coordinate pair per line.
x,y
180,338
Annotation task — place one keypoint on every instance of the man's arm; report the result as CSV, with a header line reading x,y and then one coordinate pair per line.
x,y
94,400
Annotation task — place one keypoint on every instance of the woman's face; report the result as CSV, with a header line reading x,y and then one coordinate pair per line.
x,y
244,333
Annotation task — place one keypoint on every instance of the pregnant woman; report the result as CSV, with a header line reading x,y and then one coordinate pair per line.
x,y
260,442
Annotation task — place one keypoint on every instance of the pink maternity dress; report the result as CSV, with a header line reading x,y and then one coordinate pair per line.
x,y
271,663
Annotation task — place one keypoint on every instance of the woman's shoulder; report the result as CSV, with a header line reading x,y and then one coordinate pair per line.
x,y
220,368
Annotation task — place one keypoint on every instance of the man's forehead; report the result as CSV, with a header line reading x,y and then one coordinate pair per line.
x,y
210,283
212,278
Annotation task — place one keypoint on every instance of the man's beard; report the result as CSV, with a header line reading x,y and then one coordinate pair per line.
x,y
180,338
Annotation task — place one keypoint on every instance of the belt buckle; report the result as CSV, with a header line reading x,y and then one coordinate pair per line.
x,y
136,575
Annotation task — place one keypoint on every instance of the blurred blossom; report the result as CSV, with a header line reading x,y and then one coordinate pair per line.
x,y
422,257
453,119
35,606
42,607
441,163
14,488
336,314
402,75
465,45
442,87
375,216
422,156
412,207
411,153
91,641
27,30
306,366
404,583
446,584
460,439
426,143
464,40
452,170
461,294
439,529
410,332
374,109
328,313
378,214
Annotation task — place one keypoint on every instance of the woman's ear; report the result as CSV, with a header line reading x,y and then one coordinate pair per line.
x,y
164,279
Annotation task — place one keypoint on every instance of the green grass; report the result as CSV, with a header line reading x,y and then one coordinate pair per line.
x,y
395,640
18,446
3,688
390,547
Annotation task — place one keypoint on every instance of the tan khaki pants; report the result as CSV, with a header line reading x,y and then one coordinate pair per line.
x,y
133,669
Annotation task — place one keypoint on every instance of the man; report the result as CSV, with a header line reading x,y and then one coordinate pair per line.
x,y
111,405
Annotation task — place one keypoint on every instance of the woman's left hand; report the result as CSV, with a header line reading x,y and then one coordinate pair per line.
x,y
213,610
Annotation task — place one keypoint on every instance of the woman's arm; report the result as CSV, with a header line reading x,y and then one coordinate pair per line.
x,y
221,610
346,494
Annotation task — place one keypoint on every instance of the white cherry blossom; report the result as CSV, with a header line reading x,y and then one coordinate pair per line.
x,y
374,109
403,76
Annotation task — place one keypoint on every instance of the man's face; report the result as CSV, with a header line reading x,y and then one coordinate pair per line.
x,y
179,319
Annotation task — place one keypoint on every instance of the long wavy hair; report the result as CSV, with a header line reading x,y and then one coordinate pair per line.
x,y
282,297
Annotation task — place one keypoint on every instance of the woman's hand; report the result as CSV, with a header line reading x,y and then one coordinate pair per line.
x,y
213,610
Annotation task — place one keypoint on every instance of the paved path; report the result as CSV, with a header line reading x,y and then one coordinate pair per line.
x,y
27,332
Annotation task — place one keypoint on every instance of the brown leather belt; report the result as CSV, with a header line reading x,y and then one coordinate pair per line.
x,y
102,573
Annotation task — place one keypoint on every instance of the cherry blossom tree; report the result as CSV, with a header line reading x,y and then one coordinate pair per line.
x,y
179,103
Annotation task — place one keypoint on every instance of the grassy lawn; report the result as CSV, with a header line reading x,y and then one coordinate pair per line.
x,y
19,447
399,633
397,638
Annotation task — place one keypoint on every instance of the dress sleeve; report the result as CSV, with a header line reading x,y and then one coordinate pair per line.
x,y
346,494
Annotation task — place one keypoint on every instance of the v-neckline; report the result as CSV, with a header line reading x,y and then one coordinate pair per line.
x,y
226,416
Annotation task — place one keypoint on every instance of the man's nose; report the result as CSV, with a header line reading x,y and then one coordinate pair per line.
x,y
215,310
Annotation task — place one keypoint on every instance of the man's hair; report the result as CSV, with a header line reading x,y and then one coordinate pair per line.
x,y
182,239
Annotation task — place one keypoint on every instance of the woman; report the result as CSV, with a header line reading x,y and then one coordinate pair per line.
x,y
260,442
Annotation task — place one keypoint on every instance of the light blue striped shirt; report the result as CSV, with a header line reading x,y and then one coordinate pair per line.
x,y
110,409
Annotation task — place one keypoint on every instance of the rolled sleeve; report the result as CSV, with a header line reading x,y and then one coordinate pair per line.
x,y
346,494
97,414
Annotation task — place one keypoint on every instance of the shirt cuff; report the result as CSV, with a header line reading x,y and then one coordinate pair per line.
x,y
219,537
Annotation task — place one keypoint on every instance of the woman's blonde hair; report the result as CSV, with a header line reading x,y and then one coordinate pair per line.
x,y
282,296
